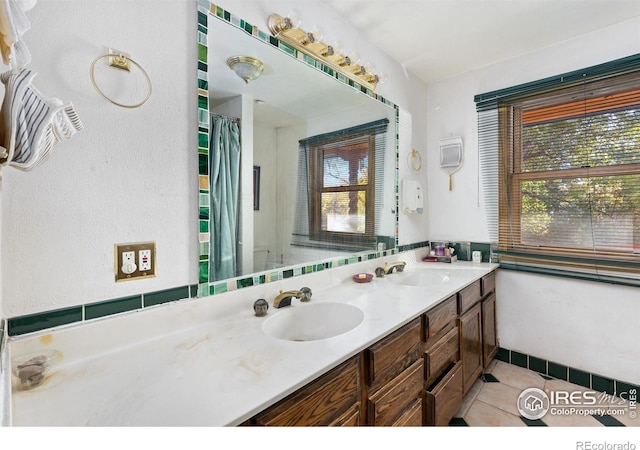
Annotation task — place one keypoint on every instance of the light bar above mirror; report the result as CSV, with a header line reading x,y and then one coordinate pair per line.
x,y
288,30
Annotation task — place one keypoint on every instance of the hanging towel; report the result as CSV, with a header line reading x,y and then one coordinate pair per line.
x,y
13,25
31,125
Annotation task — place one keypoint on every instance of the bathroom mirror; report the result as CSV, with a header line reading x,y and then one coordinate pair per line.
x,y
290,102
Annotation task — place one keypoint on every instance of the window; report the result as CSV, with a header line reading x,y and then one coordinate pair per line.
x,y
569,177
342,180
340,177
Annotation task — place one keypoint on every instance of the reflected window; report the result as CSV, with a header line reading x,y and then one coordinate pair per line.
x,y
340,179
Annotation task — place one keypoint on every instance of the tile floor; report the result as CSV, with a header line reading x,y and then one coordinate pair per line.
x,y
492,401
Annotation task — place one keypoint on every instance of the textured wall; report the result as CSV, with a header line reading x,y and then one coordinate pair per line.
x,y
127,177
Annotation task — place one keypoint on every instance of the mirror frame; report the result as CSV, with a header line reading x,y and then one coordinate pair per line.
x,y
207,12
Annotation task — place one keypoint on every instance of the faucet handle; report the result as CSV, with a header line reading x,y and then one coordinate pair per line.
x,y
260,307
305,294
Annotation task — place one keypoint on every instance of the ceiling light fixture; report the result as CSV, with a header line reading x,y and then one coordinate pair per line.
x,y
246,67
288,30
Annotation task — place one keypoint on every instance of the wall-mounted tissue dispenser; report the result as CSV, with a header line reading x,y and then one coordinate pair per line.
x,y
412,198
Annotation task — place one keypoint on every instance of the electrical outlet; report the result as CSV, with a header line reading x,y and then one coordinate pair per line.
x,y
144,259
134,261
128,262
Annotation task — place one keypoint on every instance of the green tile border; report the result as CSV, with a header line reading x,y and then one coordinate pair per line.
x,y
165,296
111,307
552,369
41,321
17,326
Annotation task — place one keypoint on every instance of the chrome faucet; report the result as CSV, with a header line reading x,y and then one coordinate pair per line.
x,y
284,298
398,266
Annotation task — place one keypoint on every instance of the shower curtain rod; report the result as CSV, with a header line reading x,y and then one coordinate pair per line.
x,y
237,119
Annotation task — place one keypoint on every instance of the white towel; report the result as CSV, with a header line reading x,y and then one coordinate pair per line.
x,y
32,124
13,25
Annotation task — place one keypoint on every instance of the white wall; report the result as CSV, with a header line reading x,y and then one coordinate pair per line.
x,y
127,177
265,219
577,323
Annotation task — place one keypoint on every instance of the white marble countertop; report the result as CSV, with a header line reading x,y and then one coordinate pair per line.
x,y
207,362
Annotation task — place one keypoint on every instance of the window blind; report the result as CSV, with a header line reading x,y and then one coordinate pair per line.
x,y
488,132
563,155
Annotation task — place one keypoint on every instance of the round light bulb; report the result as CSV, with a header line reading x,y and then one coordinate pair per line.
x,y
337,47
381,77
315,35
354,59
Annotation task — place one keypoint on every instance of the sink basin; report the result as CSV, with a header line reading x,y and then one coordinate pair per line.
x,y
420,278
313,321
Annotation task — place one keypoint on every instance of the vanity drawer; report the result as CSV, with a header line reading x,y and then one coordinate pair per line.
x,y
412,417
439,356
445,399
388,357
388,405
469,296
351,418
488,283
440,317
321,402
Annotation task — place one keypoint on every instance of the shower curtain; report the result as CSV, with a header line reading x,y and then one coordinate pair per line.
x,y
224,179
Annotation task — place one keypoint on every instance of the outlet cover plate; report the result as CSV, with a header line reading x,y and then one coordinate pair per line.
x,y
138,273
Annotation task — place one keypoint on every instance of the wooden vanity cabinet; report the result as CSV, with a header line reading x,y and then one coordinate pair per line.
x,y
332,399
415,376
394,374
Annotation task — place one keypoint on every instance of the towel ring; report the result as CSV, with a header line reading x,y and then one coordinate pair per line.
x,y
121,62
415,160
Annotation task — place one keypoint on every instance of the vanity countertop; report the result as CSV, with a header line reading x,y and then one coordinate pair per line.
x,y
207,362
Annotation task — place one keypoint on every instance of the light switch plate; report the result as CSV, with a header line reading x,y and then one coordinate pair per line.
x,y
144,261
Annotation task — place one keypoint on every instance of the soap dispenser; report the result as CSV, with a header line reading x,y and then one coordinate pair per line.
x,y
412,198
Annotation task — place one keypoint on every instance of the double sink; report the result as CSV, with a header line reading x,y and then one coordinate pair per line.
x,y
324,320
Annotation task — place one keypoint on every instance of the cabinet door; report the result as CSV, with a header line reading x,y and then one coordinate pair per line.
x,y
489,337
322,402
471,346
